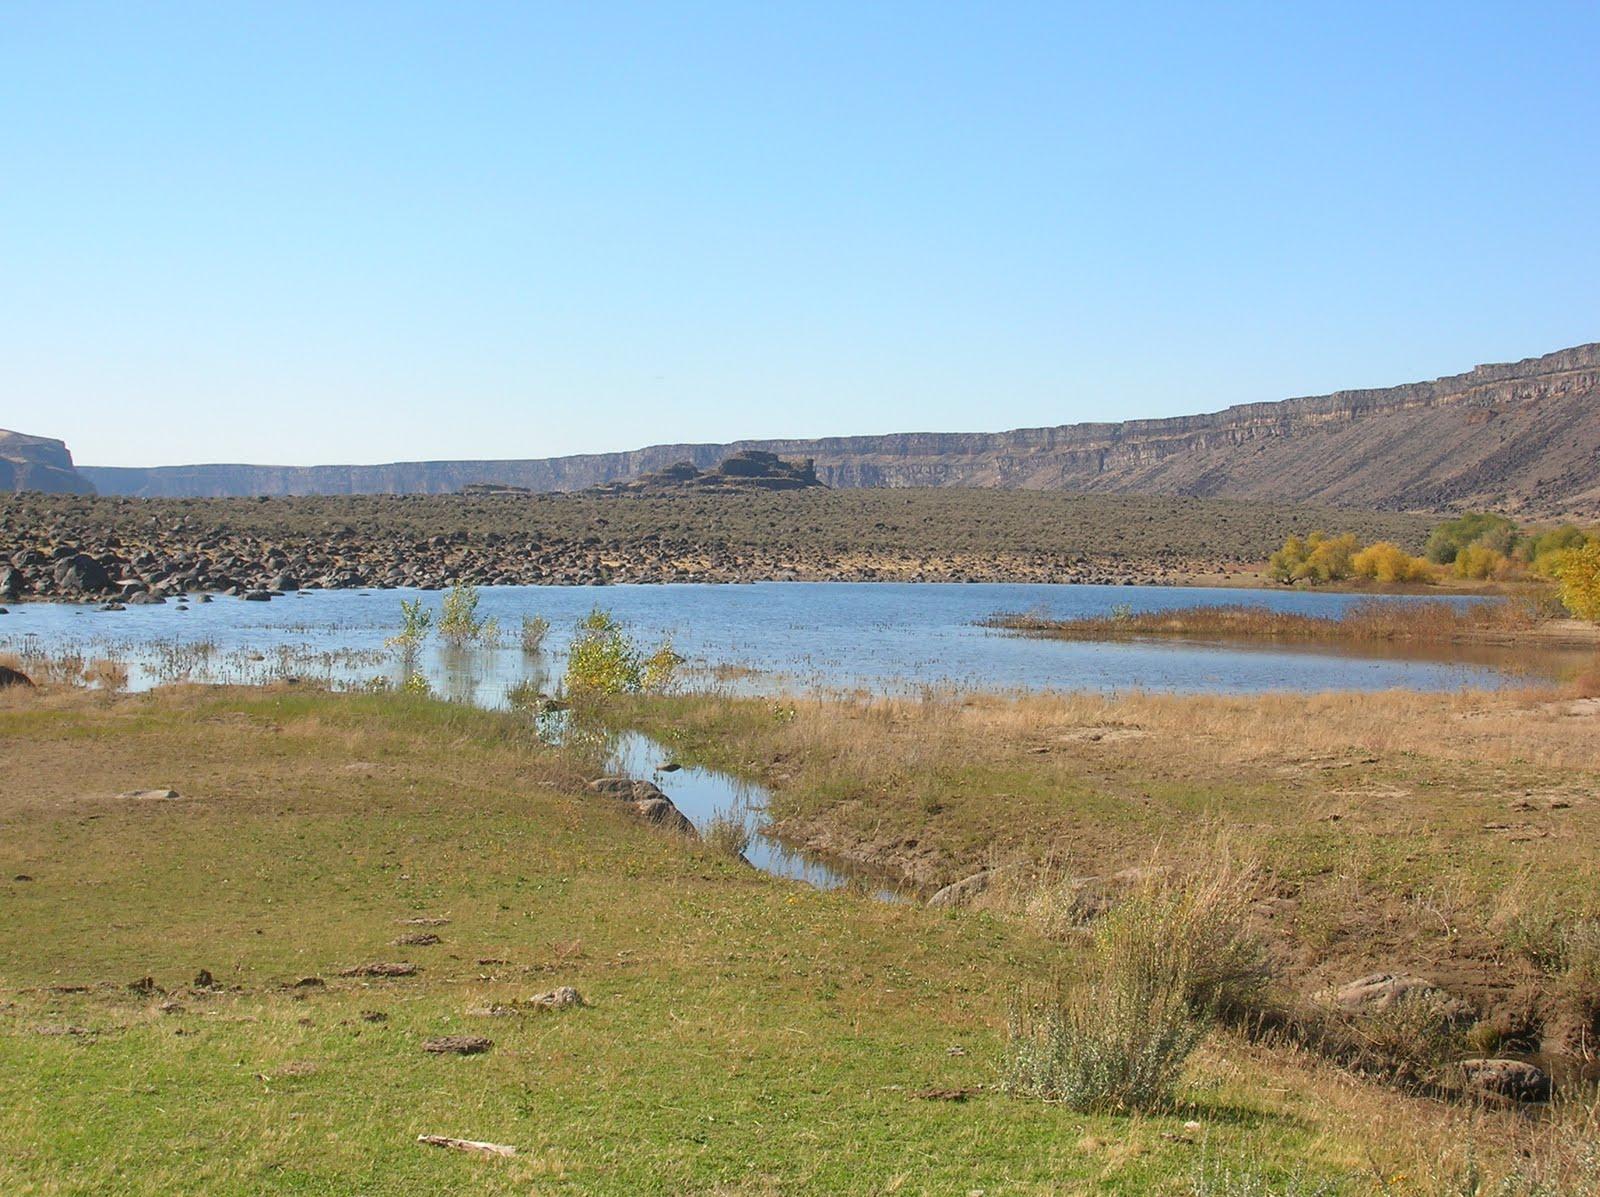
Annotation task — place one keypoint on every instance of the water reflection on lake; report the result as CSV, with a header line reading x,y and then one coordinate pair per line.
x,y
793,635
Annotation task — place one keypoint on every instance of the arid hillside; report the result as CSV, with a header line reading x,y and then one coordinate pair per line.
x,y
1522,437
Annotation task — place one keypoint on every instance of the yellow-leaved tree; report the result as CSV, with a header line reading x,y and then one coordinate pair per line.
x,y
1386,561
1317,558
1578,573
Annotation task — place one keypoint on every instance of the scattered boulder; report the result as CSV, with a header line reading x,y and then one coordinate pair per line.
x,y
417,939
425,920
661,811
625,788
959,893
309,983
82,574
563,997
471,1145
1380,991
458,1045
204,980
1516,1080
149,795
381,968
13,677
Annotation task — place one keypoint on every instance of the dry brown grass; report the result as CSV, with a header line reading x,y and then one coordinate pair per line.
x,y
1388,826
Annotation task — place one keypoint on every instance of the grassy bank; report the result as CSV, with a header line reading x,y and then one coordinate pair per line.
x,y
743,1035
1371,621
1442,835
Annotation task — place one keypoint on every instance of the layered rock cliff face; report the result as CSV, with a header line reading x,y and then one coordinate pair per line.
x,y
38,463
1522,437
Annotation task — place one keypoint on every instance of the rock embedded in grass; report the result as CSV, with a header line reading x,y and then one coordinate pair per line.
x,y
563,997
417,939
381,968
1517,1080
149,795
14,677
1377,992
626,788
959,893
457,1045
661,812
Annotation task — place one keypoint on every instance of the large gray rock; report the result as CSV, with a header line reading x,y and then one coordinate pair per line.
x,y
1381,991
661,811
626,788
960,893
1514,1079
82,574
13,677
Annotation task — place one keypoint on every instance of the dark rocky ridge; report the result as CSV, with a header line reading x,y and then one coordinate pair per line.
x,y
746,471
39,463
1522,437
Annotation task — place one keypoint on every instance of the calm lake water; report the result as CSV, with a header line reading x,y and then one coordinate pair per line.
x,y
764,637
797,635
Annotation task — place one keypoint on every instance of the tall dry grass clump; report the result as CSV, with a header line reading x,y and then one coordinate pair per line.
x,y
1163,966
107,673
727,832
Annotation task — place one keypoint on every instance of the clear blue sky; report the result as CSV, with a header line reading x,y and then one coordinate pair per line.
x,y
362,232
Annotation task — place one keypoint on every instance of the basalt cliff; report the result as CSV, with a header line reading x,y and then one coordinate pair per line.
x,y
1522,437
38,463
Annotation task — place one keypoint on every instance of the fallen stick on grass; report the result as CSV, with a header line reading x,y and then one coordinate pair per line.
x,y
466,1145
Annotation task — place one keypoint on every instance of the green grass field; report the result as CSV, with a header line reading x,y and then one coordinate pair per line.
x,y
744,1035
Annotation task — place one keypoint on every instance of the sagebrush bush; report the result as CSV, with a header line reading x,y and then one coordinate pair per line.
x,y
1121,1045
1163,965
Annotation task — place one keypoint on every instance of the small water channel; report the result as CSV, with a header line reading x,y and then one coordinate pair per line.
x,y
704,794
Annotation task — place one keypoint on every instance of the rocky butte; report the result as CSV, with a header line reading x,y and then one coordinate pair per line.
x,y
39,463
1522,437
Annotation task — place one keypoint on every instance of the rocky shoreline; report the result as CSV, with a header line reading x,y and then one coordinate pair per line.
x,y
146,550
88,571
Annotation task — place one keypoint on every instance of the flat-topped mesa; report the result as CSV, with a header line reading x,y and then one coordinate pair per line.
x,y
39,463
1523,437
749,470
